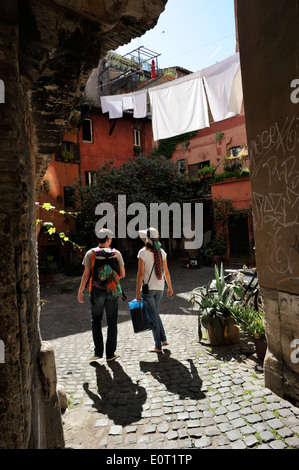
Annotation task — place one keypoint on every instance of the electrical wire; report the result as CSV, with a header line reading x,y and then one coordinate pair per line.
x,y
201,47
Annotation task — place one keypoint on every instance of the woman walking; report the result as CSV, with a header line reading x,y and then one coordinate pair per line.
x,y
152,272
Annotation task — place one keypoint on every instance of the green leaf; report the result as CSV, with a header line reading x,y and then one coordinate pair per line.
x,y
222,275
47,206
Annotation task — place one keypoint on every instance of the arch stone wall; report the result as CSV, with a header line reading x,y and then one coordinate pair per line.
x,y
269,52
47,51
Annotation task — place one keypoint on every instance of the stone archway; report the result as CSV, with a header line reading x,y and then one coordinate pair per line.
x,y
48,48
269,44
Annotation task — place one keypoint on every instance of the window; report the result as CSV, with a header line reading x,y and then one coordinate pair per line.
x,y
67,146
192,169
235,163
69,197
203,164
182,167
136,137
68,152
87,130
234,151
90,177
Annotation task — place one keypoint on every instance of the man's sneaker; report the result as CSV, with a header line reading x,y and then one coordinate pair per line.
x,y
112,358
94,358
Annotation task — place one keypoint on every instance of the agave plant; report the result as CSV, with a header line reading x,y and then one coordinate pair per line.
x,y
214,305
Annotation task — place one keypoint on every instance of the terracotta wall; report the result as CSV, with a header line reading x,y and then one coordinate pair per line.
x,y
118,146
238,191
204,146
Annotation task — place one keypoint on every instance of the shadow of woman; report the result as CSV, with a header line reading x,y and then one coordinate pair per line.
x,y
177,378
118,397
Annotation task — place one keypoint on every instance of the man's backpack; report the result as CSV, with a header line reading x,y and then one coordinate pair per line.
x,y
99,260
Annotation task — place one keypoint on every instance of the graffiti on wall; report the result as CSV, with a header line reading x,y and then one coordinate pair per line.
x,y
274,164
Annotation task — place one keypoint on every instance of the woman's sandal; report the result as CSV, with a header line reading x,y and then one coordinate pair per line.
x,y
165,343
153,349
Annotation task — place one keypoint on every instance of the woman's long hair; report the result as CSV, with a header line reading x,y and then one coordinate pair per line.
x,y
156,250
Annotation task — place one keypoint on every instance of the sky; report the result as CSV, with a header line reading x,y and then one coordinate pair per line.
x,y
192,34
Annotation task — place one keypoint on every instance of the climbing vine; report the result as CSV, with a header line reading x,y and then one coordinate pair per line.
x,y
49,227
222,209
166,147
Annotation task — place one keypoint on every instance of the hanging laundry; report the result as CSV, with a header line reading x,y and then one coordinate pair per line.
x,y
127,102
178,108
116,104
104,104
223,91
236,97
140,104
115,109
181,105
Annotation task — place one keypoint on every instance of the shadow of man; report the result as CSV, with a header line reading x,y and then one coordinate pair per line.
x,y
177,378
118,397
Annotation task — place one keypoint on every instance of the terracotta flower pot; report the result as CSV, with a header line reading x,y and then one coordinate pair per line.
x,y
216,260
260,348
229,334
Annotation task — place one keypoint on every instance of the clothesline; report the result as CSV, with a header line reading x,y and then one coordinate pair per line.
x,y
181,105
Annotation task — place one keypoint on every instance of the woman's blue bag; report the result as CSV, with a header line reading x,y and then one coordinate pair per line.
x,y
139,316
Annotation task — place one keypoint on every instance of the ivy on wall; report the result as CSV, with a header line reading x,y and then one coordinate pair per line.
x,y
222,209
166,147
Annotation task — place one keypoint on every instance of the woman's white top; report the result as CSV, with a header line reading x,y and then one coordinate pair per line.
x,y
148,258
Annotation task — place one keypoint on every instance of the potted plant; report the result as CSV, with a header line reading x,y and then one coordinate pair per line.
x,y
218,251
47,268
67,156
206,171
252,322
214,312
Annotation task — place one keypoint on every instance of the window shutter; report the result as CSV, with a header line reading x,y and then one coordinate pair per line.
x,y
58,153
76,150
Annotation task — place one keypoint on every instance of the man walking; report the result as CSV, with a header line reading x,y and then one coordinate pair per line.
x,y
104,267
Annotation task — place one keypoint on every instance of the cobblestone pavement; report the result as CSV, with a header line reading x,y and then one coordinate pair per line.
x,y
192,396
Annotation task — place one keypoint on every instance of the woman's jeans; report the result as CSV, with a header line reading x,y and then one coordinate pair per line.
x,y
153,299
100,301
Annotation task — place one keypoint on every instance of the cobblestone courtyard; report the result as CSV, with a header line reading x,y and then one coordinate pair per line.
x,y
192,396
